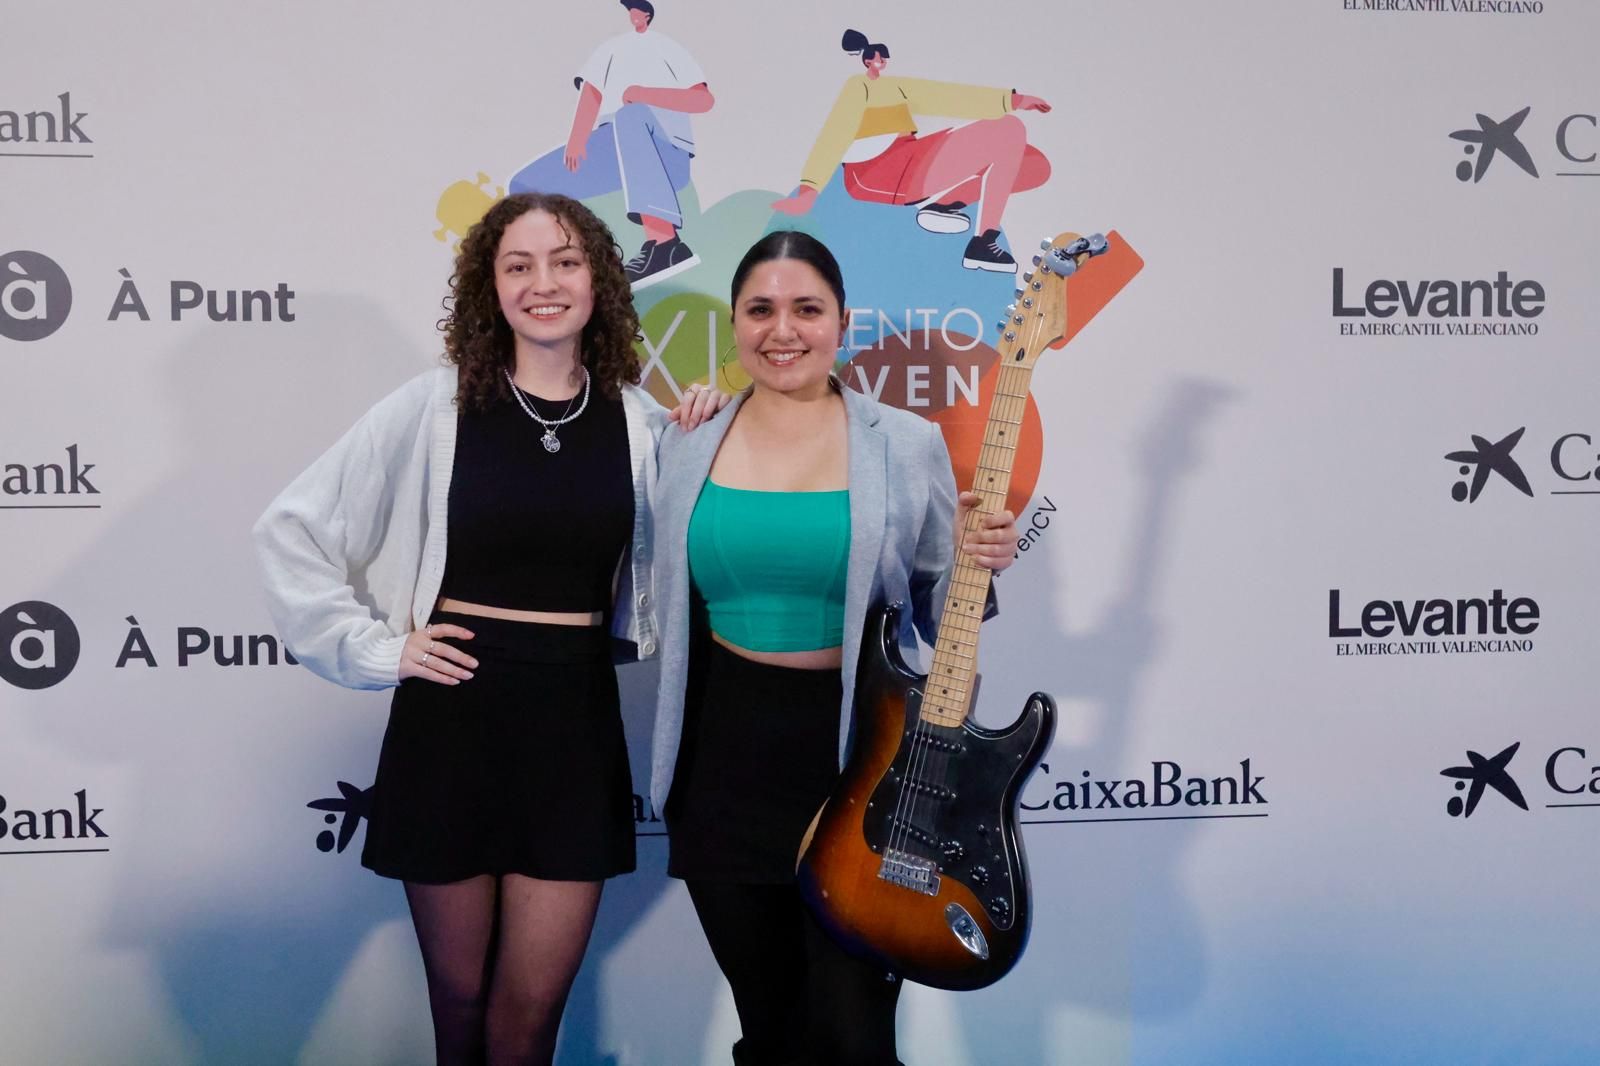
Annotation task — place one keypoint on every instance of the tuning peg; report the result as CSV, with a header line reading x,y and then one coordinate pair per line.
x,y
1026,276
1017,293
1011,309
1097,243
1038,285
1035,260
1044,246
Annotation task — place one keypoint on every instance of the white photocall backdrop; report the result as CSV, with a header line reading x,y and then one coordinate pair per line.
x,y
1315,310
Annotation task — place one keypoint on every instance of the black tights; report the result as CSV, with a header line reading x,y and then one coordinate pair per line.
x,y
500,955
801,999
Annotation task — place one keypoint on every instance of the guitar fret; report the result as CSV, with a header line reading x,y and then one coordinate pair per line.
x,y
953,671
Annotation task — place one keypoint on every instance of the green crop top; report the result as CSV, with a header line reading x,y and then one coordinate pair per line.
x,y
771,565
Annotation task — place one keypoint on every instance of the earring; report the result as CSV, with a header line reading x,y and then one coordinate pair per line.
x,y
722,368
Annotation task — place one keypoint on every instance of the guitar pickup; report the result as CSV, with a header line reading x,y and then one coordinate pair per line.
x,y
927,788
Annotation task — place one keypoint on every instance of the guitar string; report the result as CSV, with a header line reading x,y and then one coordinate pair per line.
x,y
909,800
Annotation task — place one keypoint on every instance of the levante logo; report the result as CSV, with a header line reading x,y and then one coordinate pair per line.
x,y
1447,7
1438,307
1470,626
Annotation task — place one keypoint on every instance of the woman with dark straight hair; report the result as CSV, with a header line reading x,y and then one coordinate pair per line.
x,y
778,526
461,544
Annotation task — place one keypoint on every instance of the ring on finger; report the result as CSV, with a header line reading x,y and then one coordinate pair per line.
x,y
430,647
425,658
429,629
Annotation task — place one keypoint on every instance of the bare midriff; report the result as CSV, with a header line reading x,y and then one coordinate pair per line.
x,y
819,659
549,618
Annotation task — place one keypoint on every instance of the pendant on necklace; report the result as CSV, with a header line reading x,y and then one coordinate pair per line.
x,y
549,441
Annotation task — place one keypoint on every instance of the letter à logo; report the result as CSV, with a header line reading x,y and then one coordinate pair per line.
x,y
1490,139
38,644
35,296
1480,774
1485,459
352,802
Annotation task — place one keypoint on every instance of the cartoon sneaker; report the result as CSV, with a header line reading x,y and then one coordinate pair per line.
x,y
984,253
658,262
944,218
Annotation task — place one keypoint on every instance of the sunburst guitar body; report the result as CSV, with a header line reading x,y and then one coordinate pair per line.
x,y
916,862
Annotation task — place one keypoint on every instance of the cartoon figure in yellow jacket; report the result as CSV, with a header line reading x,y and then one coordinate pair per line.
x,y
886,160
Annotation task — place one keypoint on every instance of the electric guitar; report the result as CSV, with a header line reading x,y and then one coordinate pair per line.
x,y
915,861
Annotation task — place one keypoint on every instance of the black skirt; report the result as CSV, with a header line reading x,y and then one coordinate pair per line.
x,y
759,756
523,769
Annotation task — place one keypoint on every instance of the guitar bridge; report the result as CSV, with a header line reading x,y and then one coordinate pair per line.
x,y
909,871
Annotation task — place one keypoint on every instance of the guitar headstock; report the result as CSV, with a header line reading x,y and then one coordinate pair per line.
x,y
1038,318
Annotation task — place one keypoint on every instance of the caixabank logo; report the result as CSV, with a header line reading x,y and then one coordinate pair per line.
x,y
344,814
60,484
1498,149
55,130
346,811
1569,780
50,824
1564,465
1473,625
1167,791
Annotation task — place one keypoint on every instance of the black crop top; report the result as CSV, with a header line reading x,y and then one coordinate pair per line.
x,y
532,530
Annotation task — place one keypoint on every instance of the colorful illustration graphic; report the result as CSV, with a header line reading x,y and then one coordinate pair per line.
x,y
462,205
631,131
886,159
922,331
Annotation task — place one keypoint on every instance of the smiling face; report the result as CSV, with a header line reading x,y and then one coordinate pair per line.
x,y
788,327
543,282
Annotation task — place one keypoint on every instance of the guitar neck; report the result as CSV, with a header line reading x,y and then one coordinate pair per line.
x,y
947,700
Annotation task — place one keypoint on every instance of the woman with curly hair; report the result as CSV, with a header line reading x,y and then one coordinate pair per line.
x,y
462,543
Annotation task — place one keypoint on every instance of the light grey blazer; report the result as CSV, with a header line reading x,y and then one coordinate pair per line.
x,y
902,513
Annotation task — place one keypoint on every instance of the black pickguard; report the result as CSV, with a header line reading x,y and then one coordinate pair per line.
x,y
950,796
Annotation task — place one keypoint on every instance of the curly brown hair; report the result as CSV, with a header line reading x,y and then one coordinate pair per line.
x,y
477,338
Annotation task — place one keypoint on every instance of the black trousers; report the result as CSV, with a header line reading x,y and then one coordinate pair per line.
x,y
802,1001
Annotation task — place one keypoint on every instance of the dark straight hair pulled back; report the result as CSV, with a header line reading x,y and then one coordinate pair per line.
x,y
790,244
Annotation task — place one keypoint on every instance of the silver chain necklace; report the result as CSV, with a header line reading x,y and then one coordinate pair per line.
x,y
549,441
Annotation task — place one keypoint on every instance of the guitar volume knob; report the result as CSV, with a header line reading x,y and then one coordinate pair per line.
x,y
953,851
980,875
1000,907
